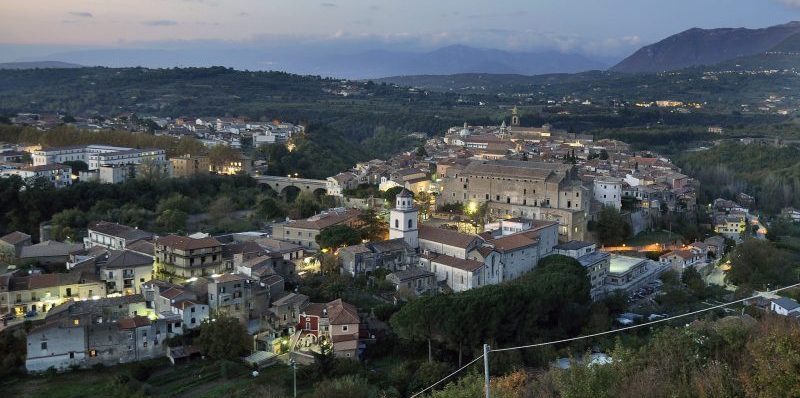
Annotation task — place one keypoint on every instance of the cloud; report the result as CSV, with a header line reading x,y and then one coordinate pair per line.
x,y
81,14
328,4
160,22
207,2
243,14
790,3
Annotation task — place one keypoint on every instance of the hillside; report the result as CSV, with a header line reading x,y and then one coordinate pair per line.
x,y
349,63
38,65
696,47
456,59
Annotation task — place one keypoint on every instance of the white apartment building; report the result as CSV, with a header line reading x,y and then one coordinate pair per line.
x,y
57,174
97,155
608,191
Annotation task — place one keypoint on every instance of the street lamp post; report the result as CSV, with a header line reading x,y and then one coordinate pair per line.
x,y
293,364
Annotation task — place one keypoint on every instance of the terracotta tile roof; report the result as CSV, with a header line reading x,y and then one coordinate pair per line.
x,y
515,169
15,238
341,338
125,258
460,263
120,231
514,242
341,313
240,247
183,304
315,309
133,323
279,246
325,220
356,249
142,246
50,248
445,236
229,278
46,167
172,292
187,243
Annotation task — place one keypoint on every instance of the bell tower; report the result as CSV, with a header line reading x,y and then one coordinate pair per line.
x,y
514,117
403,219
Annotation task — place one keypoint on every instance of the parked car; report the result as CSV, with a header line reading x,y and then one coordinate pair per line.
x,y
30,314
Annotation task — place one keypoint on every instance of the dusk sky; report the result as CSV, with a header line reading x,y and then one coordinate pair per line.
x,y
611,28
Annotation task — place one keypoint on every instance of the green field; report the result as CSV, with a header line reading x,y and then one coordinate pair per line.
x,y
649,237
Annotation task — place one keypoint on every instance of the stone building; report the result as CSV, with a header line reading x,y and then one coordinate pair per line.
x,y
510,188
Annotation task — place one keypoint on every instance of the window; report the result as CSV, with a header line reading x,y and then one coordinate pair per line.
x,y
44,345
344,328
92,353
71,355
410,223
397,223
76,322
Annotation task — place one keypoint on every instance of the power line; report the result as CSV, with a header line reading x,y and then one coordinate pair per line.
x,y
447,377
607,332
622,329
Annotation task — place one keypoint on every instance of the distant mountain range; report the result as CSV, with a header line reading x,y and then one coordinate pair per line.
x,y
453,60
366,64
696,47
38,65
773,46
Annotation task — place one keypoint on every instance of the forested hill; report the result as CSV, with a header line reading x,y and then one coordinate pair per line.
x,y
769,173
354,108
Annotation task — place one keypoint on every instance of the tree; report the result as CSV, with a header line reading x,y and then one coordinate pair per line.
x,y
220,155
612,229
151,170
603,154
306,204
419,320
760,264
776,358
328,263
338,236
176,201
220,210
391,195
371,226
172,220
694,281
67,224
222,338
269,209
423,201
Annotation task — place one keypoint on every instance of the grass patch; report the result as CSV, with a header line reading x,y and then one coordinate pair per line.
x,y
649,237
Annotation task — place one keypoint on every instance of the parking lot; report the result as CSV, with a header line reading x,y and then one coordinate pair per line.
x,y
645,295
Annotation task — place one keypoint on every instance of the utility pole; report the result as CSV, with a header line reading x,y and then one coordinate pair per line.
x,y
486,368
293,364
